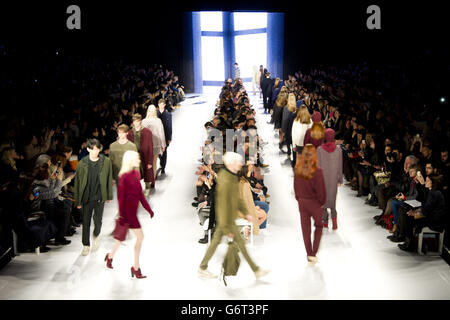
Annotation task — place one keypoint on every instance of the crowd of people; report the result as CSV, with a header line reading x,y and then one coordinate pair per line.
x,y
232,129
392,148
61,158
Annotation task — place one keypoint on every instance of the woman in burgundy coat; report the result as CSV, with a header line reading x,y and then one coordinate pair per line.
x,y
129,193
309,186
316,134
145,148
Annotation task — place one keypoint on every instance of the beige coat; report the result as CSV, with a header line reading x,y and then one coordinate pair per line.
x,y
246,193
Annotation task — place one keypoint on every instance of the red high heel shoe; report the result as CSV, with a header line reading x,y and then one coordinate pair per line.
x,y
108,261
137,273
334,223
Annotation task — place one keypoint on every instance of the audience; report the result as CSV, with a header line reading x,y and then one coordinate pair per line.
x,y
233,111
83,98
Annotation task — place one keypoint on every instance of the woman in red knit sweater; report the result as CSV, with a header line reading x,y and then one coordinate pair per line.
x,y
309,186
130,193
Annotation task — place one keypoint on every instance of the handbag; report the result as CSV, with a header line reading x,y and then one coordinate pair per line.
x,y
121,229
231,262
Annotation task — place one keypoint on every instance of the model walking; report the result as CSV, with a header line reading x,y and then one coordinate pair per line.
x,y
329,158
93,187
129,193
228,202
309,186
155,125
143,139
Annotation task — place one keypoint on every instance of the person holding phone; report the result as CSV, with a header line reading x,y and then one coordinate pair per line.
x,y
412,193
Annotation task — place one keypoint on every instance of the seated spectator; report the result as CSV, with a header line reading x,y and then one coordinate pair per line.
x,y
433,214
257,213
411,194
32,227
56,210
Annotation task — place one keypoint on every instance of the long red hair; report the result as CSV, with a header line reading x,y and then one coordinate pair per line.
x,y
306,162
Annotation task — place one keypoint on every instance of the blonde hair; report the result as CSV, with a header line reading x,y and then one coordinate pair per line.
x,y
317,131
303,115
151,112
277,82
282,97
291,104
127,161
7,157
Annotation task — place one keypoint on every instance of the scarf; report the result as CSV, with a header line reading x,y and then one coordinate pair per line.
x,y
329,146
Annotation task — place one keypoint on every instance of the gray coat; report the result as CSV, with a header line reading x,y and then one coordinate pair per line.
x,y
331,164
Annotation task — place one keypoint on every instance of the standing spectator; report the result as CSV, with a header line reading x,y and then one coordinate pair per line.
x,y
310,192
129,193
118,149
142,138
93,187
329,158
166,119
228,202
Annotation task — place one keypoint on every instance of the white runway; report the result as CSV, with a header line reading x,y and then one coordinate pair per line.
x,y
355,262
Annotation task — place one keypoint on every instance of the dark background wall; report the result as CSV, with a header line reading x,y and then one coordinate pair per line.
x,y
315,31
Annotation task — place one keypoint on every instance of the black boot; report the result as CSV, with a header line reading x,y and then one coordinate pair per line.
x,y
203,240
406,246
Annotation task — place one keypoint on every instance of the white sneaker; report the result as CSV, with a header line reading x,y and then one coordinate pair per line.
x,y
85,251
261,273
206,274
95,243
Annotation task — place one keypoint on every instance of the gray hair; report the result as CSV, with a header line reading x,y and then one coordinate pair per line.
x,y
232,157
412,158
41,160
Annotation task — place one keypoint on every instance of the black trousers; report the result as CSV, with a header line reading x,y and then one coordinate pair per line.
x,y
87,209
58,211
163,158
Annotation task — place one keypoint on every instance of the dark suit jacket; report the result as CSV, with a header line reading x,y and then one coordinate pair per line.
x,y
166,119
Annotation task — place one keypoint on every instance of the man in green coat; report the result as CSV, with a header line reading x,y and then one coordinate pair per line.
x,y
93,187
227,203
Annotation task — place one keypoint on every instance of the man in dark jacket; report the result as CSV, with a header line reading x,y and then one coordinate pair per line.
x,y
93,187
266,86
166,119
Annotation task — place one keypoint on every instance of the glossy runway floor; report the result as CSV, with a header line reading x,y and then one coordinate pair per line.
x,y
355,262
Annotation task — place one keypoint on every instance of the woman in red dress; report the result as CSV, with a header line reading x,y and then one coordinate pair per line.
x,y
130,193
309,186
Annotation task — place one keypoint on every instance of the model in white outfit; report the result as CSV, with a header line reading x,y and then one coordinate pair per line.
x,y
298,132
154,124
